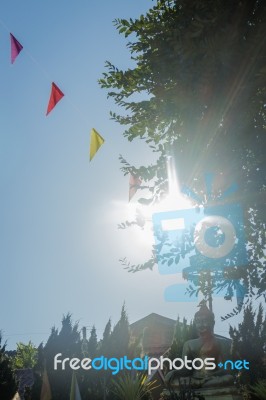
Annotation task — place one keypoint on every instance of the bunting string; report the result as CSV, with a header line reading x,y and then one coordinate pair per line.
x,y
56,93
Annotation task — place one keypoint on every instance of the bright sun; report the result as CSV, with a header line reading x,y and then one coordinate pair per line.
x,y
175,200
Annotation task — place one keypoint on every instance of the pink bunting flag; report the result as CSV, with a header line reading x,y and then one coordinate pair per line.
x,y
134,184
55,97
16,48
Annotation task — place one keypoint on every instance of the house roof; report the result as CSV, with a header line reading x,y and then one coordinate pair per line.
x,y
152,319
156,333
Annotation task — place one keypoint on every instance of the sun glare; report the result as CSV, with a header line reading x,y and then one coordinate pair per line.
x,y
174,200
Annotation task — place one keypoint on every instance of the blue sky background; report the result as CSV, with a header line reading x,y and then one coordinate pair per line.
x,y
59,240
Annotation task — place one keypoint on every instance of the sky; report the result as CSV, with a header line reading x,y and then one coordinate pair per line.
x,y
59,242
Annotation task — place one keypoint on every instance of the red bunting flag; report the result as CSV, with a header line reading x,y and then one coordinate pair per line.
x,y
16,48
55,97
134,184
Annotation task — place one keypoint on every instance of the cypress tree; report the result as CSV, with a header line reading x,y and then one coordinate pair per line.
x,y
120,336
183,332
92,343
249,343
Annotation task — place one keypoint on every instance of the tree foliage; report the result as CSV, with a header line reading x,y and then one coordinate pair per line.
x,y
183,332
197,93
249,343
93,384
120,336
8,385
93,343
26,355
105,343
66,341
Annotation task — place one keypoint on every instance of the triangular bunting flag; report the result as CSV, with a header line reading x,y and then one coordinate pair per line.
x,y
96,142
16,397
134,184
16,48
55,97
74,392
46,390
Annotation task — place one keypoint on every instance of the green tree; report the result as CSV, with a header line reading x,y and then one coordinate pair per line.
x,y
66,341
8,385
197,94
105,342
93,343
183,332
120,336
26,356
104,349
249,343
38,373
91,386
115,343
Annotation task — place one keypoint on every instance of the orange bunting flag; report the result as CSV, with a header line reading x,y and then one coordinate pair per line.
x,y
55,97
16,48
134,184
96,142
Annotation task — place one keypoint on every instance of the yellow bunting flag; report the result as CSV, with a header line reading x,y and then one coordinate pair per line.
x,y
96,142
